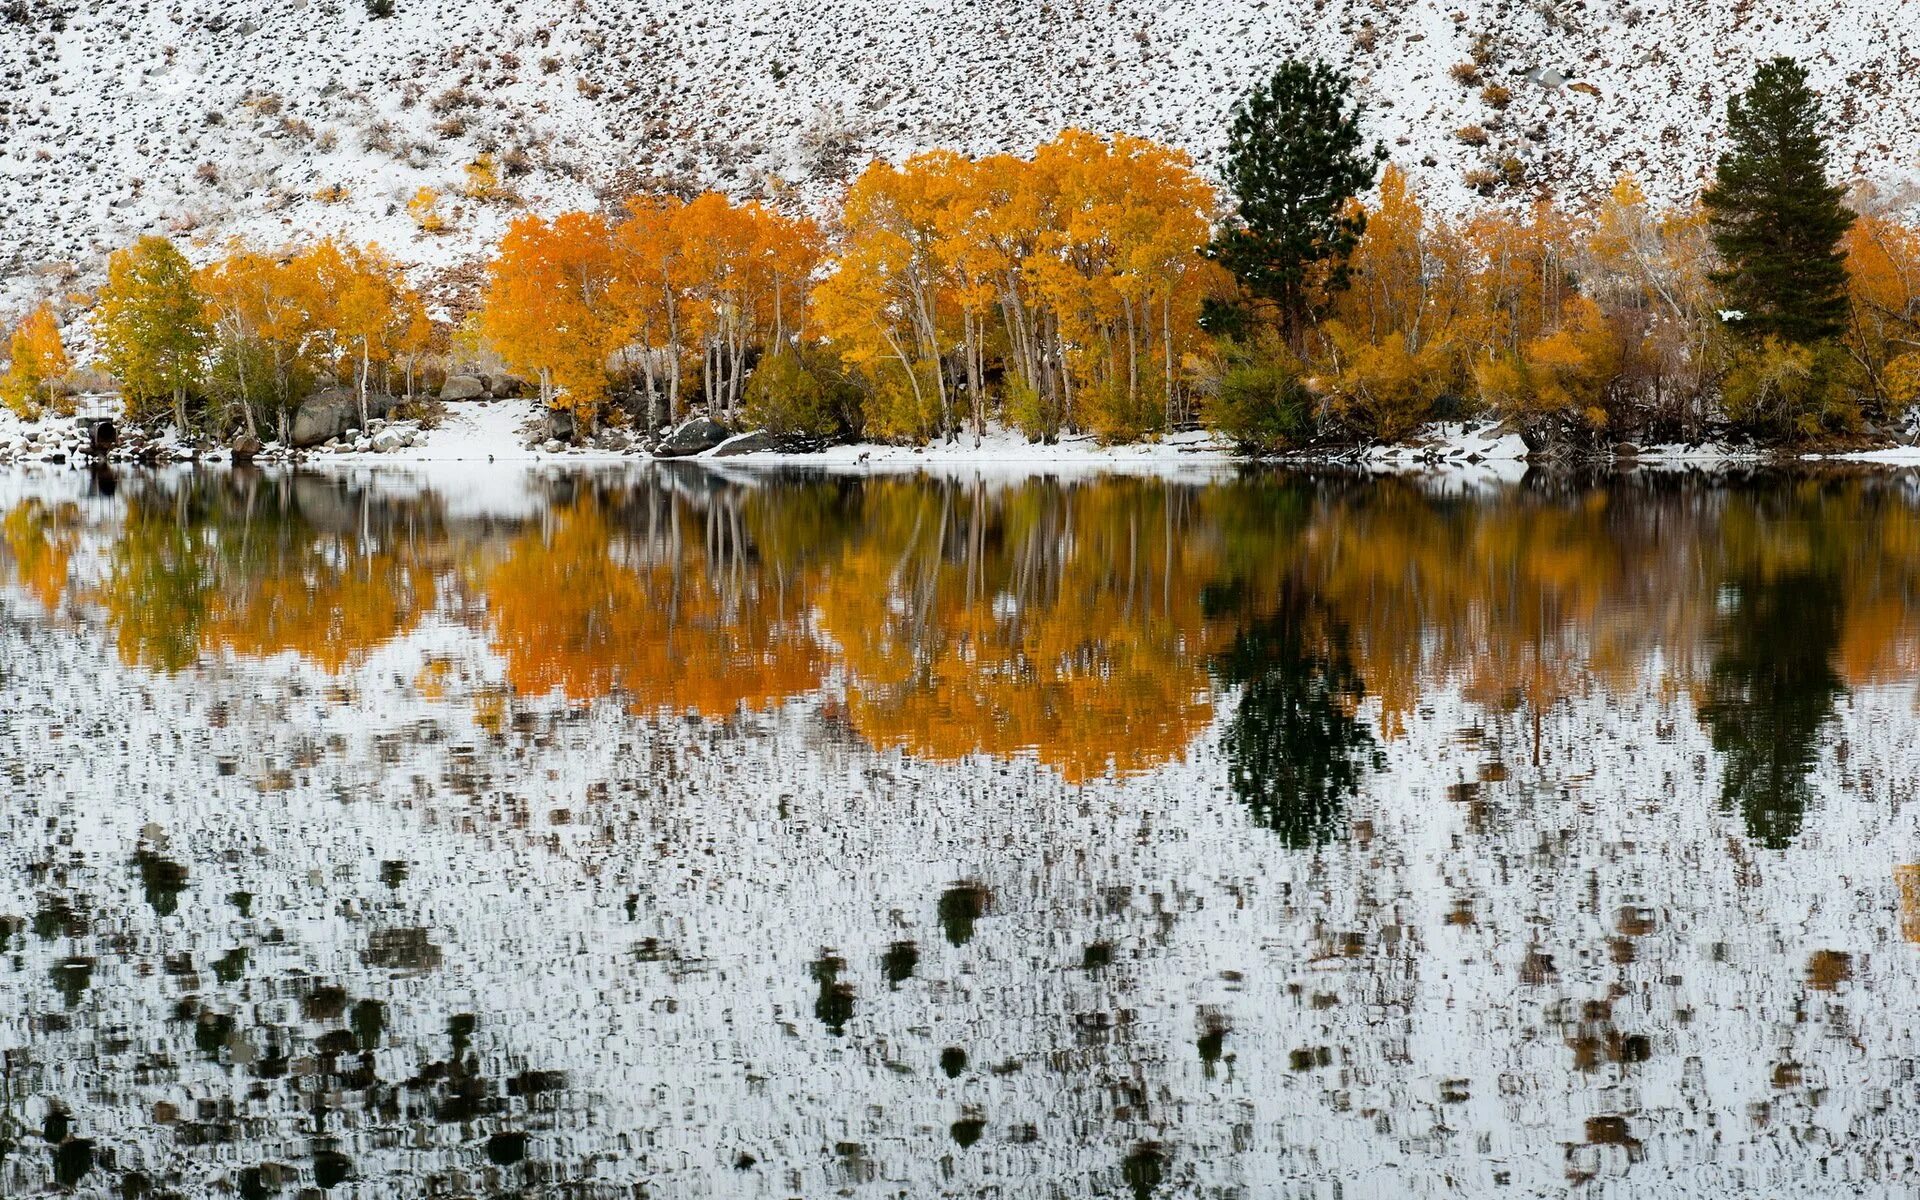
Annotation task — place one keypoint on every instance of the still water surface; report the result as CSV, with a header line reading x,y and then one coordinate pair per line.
x,y
662,833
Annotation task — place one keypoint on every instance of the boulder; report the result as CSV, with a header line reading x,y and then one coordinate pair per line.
x,y
561,425
463,387
509,387
757,442
245,448
331,413
701,433
389,440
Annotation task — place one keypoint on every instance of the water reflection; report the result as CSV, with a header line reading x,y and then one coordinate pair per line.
x,y
661,831
1102,626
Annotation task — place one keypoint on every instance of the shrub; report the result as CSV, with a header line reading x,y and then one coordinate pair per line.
x,y
1472,135
379,10
483,178
1259,398
1118,417
424,208
1385,390
1495,96
795,393
1466,74
1791,391
1564,373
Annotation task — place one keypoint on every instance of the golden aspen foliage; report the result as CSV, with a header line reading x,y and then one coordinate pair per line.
x,y
1883,292
36,363
1080,270
152,327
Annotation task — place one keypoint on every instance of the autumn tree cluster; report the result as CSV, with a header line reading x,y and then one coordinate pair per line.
x,y
1768,308
1101,285
1059,290
239,342
684,296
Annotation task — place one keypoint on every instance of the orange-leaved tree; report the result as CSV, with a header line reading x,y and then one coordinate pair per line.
x,y
548,310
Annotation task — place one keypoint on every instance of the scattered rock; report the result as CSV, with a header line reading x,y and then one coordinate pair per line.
x,y
388,440
701,433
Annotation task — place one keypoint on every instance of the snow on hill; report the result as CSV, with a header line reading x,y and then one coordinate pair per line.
x,y
205,118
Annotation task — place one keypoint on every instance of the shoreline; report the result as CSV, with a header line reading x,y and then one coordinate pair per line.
x,y
492,433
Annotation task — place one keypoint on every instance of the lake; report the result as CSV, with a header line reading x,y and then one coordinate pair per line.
x,y
666,832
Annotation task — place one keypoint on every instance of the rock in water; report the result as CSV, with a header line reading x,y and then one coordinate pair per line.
x,y
463,387
701,433
245,447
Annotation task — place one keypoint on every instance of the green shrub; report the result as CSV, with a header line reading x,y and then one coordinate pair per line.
x,y
1258,397
797,393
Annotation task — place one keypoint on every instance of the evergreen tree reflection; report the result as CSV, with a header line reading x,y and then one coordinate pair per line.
x,y
1770,690
1295,748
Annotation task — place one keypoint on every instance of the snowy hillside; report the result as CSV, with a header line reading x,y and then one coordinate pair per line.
x,y
204,118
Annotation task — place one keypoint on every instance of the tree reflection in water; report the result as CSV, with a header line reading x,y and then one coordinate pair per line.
x,y
1048,682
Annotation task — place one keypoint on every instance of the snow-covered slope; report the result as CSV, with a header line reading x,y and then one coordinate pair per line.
x,y
208,117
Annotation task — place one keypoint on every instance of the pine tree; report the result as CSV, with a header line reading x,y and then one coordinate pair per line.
x,y
1294,163
1775,219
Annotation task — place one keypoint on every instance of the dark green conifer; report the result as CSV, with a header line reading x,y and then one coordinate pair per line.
x,y
1295,159
1775,219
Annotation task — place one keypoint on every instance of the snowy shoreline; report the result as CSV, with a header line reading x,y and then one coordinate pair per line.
x,y
495,433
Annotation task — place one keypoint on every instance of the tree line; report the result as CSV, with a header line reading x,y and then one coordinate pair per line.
x,y
1100,284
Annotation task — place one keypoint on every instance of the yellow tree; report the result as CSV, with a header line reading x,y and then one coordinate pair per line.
x,y
152,326
1883,270
363,311
646,291
1652,270
887,304
37,359
259,310
744,269
1122,268
1395,343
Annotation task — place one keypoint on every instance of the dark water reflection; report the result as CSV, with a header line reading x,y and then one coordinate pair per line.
x,y
664,833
